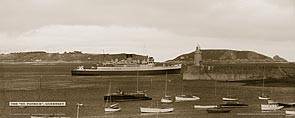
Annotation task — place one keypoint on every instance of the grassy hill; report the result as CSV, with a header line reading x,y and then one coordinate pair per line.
x,y
211,55
76,56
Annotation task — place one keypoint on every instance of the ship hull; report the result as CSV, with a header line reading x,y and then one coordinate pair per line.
x,y
123,98
77,72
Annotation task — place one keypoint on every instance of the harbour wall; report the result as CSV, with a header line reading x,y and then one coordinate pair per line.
x,y
238,71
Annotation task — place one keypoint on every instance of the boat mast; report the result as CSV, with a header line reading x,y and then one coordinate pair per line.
x,y
109,92
166,85
263,81
136,81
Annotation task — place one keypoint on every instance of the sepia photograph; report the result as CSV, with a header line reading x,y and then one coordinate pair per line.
x,y
147,59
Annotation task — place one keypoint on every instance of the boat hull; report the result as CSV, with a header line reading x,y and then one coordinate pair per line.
x,y
218,110
112,109
204,106
166,100
233,105
290,112
263,98
270,107
94,72
182,98
122,98
155,110
229,99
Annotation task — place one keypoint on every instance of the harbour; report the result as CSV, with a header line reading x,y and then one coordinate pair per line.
x,y
54,82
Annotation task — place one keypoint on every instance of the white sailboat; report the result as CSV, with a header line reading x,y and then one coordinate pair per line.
x,y
109,107
229,98
183,97
166,98
270,107
205,106
288,112
156,110
263,96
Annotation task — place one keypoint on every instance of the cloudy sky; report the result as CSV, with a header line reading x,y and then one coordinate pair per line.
x,y
160,28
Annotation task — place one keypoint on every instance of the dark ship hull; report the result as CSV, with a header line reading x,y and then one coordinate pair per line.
x,y
233,105
218,110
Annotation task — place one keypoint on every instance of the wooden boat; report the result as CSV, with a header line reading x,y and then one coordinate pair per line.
x,y
181,98
287,112
155,110
270,107
218,110
204,106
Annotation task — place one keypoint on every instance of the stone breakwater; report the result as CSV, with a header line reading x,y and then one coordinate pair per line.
x,y
238,71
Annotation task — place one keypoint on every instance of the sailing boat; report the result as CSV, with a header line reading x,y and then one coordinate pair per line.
x,y
111,107
183,97
263,96
166,98
229,98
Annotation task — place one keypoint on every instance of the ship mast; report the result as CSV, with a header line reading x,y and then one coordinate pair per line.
x,y
136,81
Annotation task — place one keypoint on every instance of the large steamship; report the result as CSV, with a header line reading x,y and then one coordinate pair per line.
x,y
147,68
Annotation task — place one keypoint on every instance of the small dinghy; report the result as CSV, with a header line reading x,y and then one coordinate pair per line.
x,y
181,98
270,107
204,106
112,108
218,110
229,99
155,110
166,99
290,112
264,98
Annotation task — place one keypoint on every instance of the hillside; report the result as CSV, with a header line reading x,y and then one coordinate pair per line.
x,y
76,56
211,55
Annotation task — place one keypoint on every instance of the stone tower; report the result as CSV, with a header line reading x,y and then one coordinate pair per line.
x,y
198,56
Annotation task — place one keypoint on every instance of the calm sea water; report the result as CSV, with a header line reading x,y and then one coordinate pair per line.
x,y
53,82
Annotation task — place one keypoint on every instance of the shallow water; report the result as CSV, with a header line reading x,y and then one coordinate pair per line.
x,y
28,82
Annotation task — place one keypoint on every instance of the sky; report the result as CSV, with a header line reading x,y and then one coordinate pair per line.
x,y
163,29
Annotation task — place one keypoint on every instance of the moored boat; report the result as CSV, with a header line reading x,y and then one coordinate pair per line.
x,y
270,107
229,99
155,110
218,110
181,98
112,108
205,106
121,96
233,104
264,98
288,112
166,99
